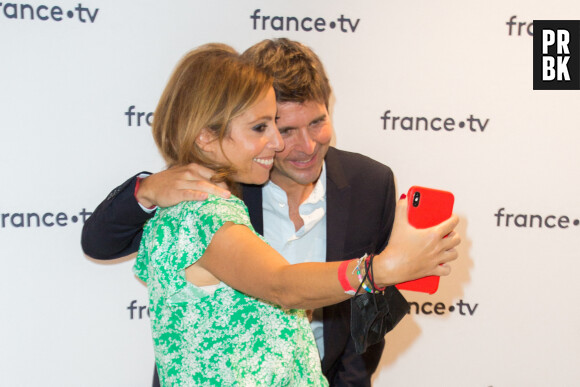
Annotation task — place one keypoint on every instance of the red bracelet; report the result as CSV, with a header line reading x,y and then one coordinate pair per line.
x,y
137,189
348,289
137,183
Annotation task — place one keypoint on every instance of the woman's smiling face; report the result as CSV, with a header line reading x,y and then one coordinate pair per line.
x,y
252,142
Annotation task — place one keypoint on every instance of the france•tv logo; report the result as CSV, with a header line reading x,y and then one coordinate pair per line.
x,y
556,54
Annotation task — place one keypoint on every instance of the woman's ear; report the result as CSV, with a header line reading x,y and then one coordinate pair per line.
x,y
206,140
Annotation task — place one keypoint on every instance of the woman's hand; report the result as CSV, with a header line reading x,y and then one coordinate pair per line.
x,y
415,253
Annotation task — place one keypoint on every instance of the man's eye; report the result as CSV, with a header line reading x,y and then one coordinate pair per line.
x,y
318,122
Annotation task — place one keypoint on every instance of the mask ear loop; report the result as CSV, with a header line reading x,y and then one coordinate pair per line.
x,y
368,265
370,270
366,276
369,275
359,287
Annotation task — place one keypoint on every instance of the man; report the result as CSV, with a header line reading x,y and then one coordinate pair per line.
x,y
321,203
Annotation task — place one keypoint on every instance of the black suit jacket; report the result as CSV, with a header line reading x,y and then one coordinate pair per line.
x,y
360,196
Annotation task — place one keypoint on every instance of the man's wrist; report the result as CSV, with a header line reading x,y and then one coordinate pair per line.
x,y
145,204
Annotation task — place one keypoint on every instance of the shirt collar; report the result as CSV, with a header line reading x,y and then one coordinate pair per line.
x,y
318,193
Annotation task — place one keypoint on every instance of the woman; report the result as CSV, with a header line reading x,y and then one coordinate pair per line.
x,y
207,270
219,111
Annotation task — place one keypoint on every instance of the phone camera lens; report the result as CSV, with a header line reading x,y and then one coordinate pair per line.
x,y
416,198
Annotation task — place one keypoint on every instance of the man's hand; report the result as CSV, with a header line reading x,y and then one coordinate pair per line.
x,y
178,184
415,253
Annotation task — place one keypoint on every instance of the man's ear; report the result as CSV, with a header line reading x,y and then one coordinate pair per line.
x,y
206,140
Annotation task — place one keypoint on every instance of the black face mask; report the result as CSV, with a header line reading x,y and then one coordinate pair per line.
x,y
373,315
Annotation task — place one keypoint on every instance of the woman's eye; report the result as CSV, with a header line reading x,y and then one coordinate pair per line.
x,y
259,128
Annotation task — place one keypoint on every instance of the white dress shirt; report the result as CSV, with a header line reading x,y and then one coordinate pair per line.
x,y
305,245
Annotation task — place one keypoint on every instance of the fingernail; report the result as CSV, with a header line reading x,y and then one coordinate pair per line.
x,y
403,196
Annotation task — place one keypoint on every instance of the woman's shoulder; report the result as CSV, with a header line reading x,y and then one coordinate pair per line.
x,y
213,209
216,204
211,204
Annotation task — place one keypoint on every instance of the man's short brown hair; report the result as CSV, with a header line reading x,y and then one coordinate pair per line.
x,y
297,71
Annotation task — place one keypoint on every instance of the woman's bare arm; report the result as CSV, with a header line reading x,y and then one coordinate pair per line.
x,y
239,258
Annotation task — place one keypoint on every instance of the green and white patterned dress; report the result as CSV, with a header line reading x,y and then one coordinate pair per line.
x,y
222,339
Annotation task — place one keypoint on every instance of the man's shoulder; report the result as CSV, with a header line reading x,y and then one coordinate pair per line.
x,y
355,165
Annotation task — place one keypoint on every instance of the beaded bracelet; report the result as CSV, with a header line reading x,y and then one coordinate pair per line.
x,y
359,261
362,278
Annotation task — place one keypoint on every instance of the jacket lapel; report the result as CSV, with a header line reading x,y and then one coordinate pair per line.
x,y
252,196
338,195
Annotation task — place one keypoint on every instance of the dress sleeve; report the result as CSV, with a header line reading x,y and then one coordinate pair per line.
x,y
199,226
181,238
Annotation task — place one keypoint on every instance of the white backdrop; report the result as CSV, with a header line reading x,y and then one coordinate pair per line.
x,y
69,72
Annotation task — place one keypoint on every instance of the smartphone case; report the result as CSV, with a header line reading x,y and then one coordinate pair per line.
x,y
427,207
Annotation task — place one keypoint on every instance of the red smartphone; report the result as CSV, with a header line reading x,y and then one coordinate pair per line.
x,y
427,207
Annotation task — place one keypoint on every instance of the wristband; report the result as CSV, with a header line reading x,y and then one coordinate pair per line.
x,y
348,289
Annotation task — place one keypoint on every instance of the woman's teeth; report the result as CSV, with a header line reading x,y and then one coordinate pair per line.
x,y
266,162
